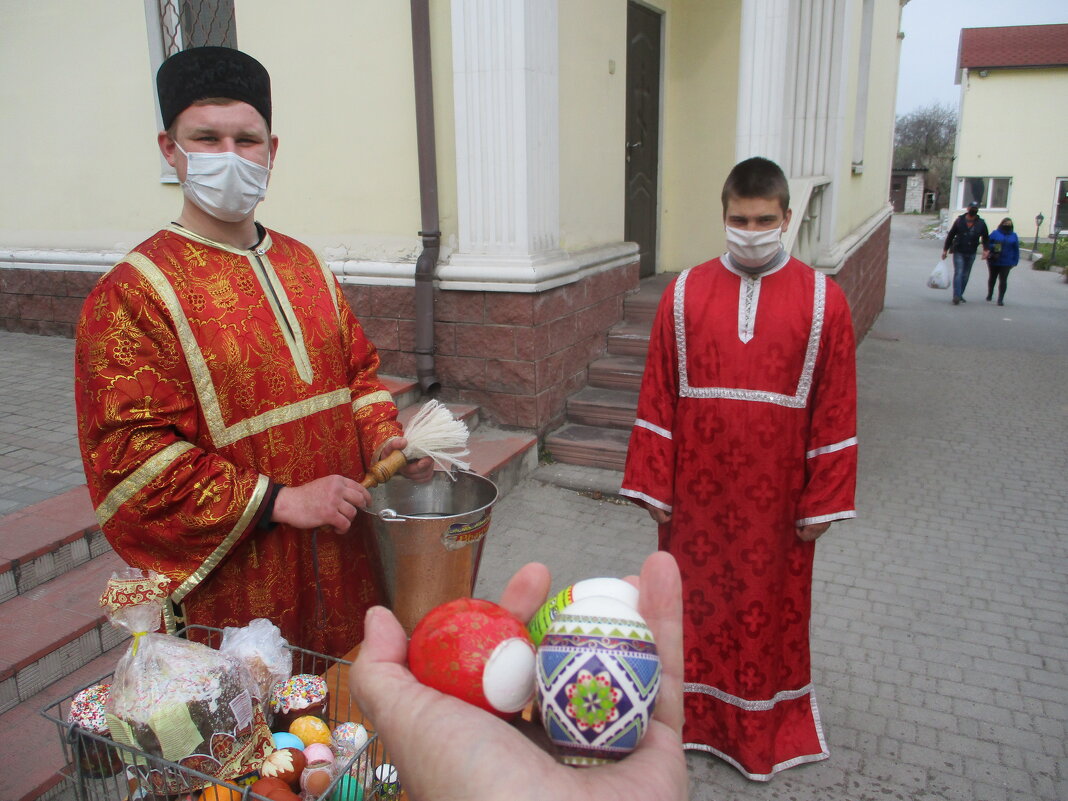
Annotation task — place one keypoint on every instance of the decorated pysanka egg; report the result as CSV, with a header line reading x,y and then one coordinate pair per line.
x,y
477,651
597,680
587,588
310,729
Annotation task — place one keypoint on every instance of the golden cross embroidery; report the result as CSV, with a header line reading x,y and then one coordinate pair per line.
x,y
144,410
208,491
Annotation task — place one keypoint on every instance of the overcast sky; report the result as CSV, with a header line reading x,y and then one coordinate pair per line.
x,y
932,34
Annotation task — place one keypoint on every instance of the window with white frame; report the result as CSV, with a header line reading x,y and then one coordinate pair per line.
x,y
175,25
1060,208
988,192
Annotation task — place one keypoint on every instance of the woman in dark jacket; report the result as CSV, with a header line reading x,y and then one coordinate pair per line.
x,y
1004,255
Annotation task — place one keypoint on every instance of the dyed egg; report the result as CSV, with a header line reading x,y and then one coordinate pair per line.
x,y
349,738
318,752
286,764
598,675
477,651
348,789
267,787
219,792
587,588
283,739
310,729
317,777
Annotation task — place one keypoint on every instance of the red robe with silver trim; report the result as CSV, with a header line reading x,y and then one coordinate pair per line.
x,y
203,373
746,430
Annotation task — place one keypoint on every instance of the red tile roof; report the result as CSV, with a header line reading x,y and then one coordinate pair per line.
x,y
1013,46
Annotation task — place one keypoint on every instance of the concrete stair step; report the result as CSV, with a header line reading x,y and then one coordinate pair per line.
x,y
55,629
47,539
32,743
640,307
629,338
589,445
617,372
596,406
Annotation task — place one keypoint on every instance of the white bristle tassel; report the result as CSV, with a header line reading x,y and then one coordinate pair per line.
x,y
434,432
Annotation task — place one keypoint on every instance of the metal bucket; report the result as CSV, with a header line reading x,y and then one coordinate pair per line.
x,y
429,539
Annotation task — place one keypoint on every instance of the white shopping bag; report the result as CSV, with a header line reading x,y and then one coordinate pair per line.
x,y
941,276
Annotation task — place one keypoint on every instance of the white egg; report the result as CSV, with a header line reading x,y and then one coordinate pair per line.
x,y
508,677
610,587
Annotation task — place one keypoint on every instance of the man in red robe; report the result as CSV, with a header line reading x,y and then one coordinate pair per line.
x,y
744,451
227,398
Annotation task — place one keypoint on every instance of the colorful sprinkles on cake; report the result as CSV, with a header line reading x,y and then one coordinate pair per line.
x,y
298,692
87,708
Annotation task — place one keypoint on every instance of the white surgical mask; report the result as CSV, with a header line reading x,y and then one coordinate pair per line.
x,y
224,185
753,248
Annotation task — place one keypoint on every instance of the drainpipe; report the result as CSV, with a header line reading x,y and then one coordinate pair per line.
x,y
428,198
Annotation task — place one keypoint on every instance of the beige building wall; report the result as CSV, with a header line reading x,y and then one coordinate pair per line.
x,y
867,192
700,97
593,102
997,138
77,148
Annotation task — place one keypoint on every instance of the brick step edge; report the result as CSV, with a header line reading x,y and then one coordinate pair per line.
x,y
32,742
55,630
586,445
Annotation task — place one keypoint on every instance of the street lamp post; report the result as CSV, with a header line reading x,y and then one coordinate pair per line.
x,y
1038,224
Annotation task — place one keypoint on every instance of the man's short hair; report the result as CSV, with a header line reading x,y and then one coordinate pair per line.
x,y
757,177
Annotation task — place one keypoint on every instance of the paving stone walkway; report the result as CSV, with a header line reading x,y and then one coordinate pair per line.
x,y
939,641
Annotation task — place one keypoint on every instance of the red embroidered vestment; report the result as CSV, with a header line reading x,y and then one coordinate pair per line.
x,y
203,374
746,430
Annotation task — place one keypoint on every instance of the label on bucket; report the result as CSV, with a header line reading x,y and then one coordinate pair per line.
x,y
460,535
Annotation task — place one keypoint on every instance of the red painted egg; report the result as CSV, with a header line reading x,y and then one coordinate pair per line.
x,y
267,787
477,651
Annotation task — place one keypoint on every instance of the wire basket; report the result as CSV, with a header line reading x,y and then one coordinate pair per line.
x,y
100,769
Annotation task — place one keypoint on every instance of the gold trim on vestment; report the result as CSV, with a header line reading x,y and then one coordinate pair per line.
x,y
282,309
381,396
221,434
138,480
331,283
228,542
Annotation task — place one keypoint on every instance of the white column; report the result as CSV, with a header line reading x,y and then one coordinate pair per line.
x,y
505,77
762,76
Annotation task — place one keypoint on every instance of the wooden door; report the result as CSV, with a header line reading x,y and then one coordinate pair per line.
x,y
643,133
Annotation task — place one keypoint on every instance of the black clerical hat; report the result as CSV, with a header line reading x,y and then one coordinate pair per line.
x,y
202,72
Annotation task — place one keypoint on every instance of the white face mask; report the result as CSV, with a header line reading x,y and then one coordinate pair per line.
x,y
224,185
753,248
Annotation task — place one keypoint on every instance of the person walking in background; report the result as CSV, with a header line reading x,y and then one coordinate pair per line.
x,y
964,236
744,451
1004,255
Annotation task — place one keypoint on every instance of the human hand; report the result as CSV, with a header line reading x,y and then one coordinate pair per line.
x,y
986,254
420,470
945,253
447,749
813,532
328,501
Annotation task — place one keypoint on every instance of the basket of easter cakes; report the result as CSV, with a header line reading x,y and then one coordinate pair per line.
x,y
212,715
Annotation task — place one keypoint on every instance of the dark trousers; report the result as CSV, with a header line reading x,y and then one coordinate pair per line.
x,y
999,275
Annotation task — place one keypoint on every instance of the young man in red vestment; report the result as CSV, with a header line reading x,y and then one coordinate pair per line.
x,y
744,452
227,398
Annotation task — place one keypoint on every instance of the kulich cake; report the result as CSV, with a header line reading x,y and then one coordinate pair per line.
x,y
87,711
302,694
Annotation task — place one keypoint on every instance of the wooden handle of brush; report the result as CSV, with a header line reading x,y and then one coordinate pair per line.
x,y
382,471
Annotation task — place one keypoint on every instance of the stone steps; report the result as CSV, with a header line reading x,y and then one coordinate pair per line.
x,y
600,416
54,563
